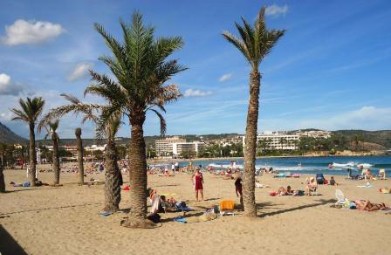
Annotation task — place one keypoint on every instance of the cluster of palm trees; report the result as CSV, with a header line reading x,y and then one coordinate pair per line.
x,y
141,68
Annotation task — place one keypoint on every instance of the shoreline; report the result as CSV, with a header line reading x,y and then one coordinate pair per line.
x,y
165,160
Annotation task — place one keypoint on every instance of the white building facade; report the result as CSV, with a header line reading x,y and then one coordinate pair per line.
x,y
175,146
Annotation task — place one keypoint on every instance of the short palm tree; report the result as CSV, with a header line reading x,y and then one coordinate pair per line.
x,y
113,177
80,155
93,112
89,112
254,43
29,112
140,67
51,129
2,182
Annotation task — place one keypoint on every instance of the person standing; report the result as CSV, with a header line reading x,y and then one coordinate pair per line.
x,y
198,182
238,189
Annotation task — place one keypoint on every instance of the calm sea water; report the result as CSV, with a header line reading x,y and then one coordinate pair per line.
x,y
310,165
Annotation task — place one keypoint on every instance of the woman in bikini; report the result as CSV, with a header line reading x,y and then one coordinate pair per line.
x,y
366,205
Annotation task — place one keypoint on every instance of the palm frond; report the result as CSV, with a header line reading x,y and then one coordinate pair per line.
x,y
163,125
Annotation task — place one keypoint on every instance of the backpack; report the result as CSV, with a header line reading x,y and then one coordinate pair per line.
x,y
155,217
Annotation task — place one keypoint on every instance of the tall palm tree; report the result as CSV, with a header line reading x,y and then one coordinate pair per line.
x,y
29,112
254,43
80,155
51,129
140,67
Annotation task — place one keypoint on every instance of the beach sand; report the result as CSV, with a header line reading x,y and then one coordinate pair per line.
x,y
65,220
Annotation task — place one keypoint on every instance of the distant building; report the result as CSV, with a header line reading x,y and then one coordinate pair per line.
x,y
175,146
277,141
95,147
314,133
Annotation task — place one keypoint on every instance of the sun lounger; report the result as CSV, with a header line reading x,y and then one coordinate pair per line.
x,y
227,207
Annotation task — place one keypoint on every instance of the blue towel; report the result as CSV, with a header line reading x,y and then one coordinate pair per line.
x,y
105,213
180,219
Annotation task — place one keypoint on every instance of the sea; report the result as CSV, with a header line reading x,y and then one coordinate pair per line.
x,y
307,165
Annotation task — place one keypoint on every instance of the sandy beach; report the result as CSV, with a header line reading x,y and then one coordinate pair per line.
x,y
66,220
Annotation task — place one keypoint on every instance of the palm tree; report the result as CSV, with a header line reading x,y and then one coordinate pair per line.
x,y
2,182
254,43
30,110
80,156
113,178
141,68
51,129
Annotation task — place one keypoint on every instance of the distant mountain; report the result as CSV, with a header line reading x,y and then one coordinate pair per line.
x,y
9,137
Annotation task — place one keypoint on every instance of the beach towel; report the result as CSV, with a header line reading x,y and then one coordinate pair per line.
x,y
105,213
259,185
180,219
367,185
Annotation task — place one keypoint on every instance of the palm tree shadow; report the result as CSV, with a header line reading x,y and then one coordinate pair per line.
x,y
167,185
321,202
190,214
213,198
8,245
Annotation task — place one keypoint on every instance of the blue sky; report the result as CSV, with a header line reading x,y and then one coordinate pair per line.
x,y
331,70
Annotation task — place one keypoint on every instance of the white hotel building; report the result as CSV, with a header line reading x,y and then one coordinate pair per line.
x,y
278,141
175,146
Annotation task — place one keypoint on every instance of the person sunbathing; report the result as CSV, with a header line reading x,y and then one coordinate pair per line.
x,y
385,190
366,205
285,192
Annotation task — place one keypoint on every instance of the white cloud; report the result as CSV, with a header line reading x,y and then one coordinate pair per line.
x,y
196,93
7,87
367,118
275,10
80,71
225,77
30,32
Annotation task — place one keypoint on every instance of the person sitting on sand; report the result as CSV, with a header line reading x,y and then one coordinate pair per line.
x,y
311,186
285,192
382,174
366,205
156,202
385,190
332,181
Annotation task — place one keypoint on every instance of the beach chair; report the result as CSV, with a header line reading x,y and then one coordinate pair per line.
x,y
340,197
227,207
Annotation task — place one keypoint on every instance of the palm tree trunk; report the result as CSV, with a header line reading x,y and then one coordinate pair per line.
x,y
137,174
2,182
56,161
33,160
80,155
113,180
250,149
